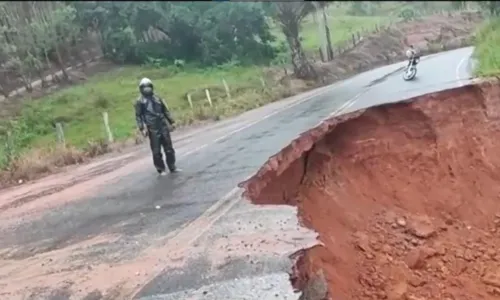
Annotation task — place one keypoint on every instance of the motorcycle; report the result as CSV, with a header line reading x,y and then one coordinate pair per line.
x,y
411,70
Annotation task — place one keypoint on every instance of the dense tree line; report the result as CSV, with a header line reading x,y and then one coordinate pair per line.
x,y
208,33
36,36
33,36
204,32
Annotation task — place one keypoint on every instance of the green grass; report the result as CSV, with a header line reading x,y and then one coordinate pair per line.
x,y
341,29
487,51
80,108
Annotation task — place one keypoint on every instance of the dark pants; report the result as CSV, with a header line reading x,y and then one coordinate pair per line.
x,y
161,139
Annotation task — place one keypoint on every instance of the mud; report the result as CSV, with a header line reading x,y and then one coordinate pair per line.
x,y
405,198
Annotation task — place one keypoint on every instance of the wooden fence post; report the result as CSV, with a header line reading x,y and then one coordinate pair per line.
x,y
207,93
226,87
330,53
109,134
60,135
321,54
190,101
353,39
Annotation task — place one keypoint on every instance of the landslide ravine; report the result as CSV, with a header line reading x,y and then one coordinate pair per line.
x,y
405,198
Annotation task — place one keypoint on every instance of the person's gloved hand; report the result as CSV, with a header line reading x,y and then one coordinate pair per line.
x,y
171,126
144,132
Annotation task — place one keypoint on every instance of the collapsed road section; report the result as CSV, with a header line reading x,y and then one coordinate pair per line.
x,y
405,198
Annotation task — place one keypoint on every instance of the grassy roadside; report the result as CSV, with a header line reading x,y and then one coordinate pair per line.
x,y
487,51
31,148
80,108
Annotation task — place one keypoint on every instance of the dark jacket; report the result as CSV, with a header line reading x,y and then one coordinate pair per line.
x,y
152,113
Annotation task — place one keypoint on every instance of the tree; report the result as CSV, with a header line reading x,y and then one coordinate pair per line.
x,y
34,35
289,16
458,5
19,46
206,32
65,31
32,32
493,7
358,8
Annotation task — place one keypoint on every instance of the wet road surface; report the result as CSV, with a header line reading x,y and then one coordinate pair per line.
x,y
154,234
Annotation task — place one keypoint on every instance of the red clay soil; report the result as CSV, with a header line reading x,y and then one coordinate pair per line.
x,y
405,198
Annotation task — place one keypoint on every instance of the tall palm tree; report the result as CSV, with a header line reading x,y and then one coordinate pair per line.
x,y
289,15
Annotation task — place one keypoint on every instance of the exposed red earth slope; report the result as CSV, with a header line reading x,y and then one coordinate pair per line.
x,y
405,198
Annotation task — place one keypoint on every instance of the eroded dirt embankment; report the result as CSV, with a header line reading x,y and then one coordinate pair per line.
x,y
405,198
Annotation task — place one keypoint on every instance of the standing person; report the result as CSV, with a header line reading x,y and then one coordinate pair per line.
x,y
154,120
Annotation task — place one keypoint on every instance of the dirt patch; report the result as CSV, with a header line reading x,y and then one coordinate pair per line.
x,y
404,196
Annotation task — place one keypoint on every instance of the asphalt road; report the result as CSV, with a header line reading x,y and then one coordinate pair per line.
x,y
143,211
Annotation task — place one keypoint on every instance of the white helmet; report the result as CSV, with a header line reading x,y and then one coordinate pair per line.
x,y
409,53
145,82
146,86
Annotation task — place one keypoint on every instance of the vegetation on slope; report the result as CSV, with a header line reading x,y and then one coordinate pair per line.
x,y
487,51
487,42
